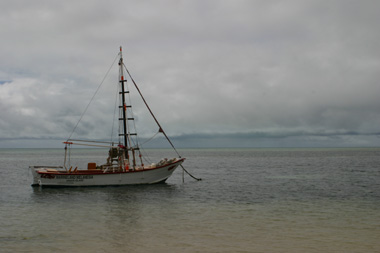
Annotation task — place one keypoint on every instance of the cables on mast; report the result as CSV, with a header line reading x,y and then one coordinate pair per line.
x,y
154,117
88,105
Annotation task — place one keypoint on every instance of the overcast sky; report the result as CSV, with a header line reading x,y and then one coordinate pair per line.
x,y
216,73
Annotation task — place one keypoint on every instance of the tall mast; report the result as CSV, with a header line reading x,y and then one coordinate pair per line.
x,y
123,105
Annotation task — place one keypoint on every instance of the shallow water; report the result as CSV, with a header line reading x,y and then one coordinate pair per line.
x,y
250,200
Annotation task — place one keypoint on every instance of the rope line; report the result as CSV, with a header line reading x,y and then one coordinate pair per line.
x,y
151,138
114,114
161,130
198,179
85,110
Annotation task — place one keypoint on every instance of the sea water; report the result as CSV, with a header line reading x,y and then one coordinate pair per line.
x,y
249,200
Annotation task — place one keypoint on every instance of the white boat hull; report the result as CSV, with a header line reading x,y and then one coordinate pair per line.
x,y
51,176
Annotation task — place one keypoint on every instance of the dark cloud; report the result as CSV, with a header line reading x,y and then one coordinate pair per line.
x,y
246,73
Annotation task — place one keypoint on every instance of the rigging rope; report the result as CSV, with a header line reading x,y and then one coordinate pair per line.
x,y
149,138
114,114
132,116
85,110
160,128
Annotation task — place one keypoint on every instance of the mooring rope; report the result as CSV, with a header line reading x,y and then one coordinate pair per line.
x,y
198,179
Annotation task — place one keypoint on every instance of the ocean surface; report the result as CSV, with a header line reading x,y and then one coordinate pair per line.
x,y
249,200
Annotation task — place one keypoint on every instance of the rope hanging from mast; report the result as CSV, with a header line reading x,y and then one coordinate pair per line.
x,y
161,130
85,110
154,117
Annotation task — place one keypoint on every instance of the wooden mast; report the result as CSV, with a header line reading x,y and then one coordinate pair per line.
x,y
123,105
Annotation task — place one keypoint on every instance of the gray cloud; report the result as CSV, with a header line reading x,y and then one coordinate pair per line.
x,y
292,73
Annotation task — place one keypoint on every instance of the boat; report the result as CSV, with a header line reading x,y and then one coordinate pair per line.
x,y
124,164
